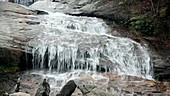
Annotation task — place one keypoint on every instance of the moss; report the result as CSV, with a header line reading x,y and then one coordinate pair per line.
x,y
9,69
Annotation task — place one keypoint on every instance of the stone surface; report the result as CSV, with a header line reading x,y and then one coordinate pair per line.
x,y
18,24
108,9
44,89
11,38
68,89
91,90
19,94
8,82
111,84
29,83
123,85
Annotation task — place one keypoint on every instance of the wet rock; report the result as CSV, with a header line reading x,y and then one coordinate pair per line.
x,y
68,89
9,57
16,31
16,25
92,90
32,22
17,87
139,87
29,83
93,8
39,12
12,1
14,8
77,92
19,94
8,82
44,89
86,88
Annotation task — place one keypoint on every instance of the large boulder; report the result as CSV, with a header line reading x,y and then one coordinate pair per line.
x,y
68,89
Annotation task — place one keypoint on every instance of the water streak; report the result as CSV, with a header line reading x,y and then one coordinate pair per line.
x,y
70,43
71,47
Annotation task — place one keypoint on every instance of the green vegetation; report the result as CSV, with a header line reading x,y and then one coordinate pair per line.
x,y
141,23
150,17
9,68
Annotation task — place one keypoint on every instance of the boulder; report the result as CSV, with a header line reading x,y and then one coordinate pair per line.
x,y
68,89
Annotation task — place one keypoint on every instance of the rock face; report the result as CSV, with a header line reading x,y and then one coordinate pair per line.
x,y
113,10
68,89
108,9
30,83
18,27
123,85
44,89
11,40
8,82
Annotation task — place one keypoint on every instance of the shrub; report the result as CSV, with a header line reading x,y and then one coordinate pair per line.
x,y
141,23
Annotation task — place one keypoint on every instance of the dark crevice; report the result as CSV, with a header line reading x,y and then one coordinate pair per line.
x,y
25,61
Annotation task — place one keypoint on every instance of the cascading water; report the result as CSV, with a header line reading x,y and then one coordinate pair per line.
x,y
69,44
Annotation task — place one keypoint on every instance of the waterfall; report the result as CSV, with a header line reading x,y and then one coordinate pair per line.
x,y
77,47
70,43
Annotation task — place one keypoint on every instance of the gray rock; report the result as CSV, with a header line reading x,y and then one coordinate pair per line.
x,y
68,89
7,82
44,89
30,83
18,27
92,90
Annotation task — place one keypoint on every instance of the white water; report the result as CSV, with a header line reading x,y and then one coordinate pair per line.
x,y
70,42
69,45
